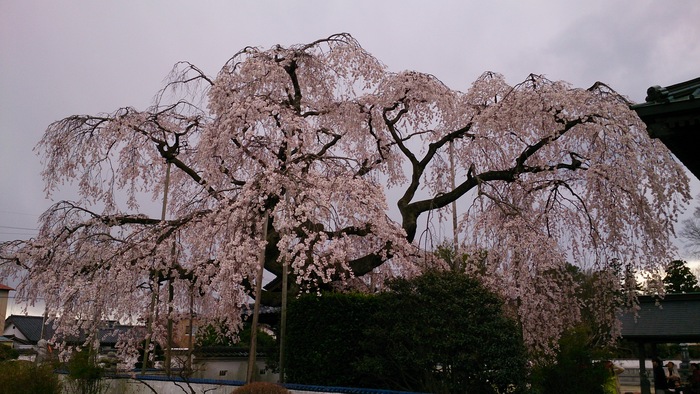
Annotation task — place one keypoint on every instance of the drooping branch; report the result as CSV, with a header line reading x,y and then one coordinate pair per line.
x,y
410,211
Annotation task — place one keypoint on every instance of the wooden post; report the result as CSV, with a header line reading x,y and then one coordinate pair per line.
x,y
644,383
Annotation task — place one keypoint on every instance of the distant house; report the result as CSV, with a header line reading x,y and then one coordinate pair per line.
x,y
184,327
220,362
25,332
223,362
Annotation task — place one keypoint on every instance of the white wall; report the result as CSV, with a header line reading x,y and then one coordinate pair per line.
x,y
10,329
132,386
232,370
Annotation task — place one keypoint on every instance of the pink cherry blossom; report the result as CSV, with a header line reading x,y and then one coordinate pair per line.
x,y
324,138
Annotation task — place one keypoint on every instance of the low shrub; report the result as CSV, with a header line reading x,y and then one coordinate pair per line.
x,y
8,353
29,378
84,375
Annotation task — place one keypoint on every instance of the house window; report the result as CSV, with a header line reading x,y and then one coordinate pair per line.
x,y
223,372
190,330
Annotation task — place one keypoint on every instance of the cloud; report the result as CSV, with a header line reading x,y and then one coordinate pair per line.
x,y
630,46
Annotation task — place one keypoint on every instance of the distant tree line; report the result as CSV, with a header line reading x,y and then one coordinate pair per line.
x,y
680,279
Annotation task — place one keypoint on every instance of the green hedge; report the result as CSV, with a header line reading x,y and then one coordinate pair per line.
x,y
441,333
323,338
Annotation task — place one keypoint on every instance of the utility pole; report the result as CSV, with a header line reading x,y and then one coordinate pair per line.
x,y
190,341
169,328
455,240
169,339
250,376
285,290
283,318
155,286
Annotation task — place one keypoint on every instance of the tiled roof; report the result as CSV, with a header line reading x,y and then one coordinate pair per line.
x,y
676,318
680,92
672,114
110,336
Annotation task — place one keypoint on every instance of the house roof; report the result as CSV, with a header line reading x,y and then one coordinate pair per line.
x,y
30,327
3,287
110,336
672,114
675,319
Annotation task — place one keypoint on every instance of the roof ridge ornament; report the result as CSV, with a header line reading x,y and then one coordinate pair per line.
x,y
657,94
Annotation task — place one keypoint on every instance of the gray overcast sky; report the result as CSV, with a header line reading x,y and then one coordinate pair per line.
x,y
59,58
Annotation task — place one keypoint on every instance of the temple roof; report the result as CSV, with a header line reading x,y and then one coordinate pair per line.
x,y
672,114
674,319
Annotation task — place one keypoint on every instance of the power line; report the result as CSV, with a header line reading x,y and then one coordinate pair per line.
x,y
20,213
17,234
19,228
